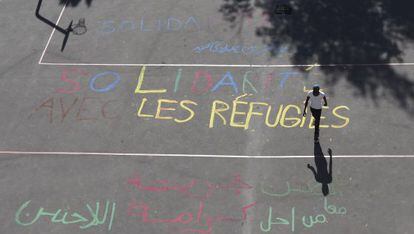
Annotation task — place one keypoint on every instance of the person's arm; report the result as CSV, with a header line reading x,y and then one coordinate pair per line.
x,y
313,170
306,105
326,102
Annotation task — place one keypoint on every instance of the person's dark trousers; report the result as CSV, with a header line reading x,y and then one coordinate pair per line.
x,y
316,113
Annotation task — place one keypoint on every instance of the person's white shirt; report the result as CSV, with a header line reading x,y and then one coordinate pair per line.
x,y
316,101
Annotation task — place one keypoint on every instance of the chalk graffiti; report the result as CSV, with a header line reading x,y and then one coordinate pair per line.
x,y
76,85
220,47
248,82
236,184
219,108
161,103
169,24
281,221
194,216
227,81
61,217
236,114
80,108
199,210
307,221
109,87
143,210
309,190
228,113
332,209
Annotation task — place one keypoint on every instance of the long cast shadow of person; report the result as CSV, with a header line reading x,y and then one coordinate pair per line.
x,y
322,175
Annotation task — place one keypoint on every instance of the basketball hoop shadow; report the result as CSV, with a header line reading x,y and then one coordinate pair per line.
x,y
77,29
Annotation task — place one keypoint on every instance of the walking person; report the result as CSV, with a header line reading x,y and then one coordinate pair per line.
x,y
315,97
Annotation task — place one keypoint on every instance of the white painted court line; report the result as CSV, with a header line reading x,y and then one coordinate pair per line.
x,y
50,153
51,35
222,65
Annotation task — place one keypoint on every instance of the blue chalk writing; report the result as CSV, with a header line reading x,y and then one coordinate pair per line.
x,y
108,26
109,87
143,24
220,47
127,25
228,76
173,24
285,77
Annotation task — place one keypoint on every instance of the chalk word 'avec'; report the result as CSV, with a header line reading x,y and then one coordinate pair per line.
x,y
79,108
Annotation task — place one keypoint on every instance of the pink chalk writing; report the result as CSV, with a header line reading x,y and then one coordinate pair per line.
x,y
193,218
236,184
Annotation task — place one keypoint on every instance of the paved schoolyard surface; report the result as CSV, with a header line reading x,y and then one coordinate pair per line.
x,y
158,111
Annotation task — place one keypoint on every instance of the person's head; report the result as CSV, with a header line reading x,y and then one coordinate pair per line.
x,y
325,189
316,89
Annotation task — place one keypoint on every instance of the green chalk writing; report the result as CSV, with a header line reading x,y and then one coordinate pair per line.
x,y
309,190
308,221
62,217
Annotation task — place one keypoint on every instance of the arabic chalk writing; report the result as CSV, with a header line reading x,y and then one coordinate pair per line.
x,y
321,218
193,218
278,220
220,47
332,209
309,190
236,184
198,213
61,216
307,221
143,210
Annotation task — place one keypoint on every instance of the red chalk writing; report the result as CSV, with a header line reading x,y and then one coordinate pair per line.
x,y
194,218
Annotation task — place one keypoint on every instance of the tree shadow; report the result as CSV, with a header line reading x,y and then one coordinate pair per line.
x,y
322,174
363,36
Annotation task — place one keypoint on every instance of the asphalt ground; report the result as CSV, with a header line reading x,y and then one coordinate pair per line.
x,y
165,107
